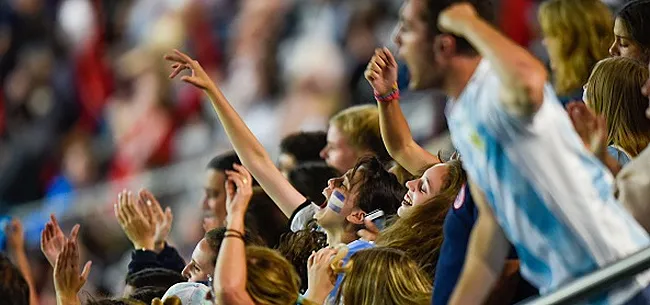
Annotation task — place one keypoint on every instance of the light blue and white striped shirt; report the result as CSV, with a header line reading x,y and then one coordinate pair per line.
x,y
552,198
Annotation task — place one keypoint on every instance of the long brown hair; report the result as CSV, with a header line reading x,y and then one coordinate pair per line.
x,y
583,30
419,232
384,276
614,90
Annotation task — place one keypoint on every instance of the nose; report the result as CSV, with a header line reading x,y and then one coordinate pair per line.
x,y
613,50
411,184
323,153
186,272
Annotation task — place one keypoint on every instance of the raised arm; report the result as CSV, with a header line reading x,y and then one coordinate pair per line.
x,y
16,248
230,272
381,73
486,254
523,77
248,148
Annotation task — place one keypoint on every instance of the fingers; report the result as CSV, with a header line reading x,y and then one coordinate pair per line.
x,y
149,197
74,232
85,272
245,174
169,217
310,261
389,56
379,58
55,224
371,226
186,59
192,80
178,68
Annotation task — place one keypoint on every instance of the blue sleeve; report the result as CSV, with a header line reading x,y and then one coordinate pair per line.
x,y
619,155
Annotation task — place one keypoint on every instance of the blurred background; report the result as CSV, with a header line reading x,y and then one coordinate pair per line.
x,y
86,108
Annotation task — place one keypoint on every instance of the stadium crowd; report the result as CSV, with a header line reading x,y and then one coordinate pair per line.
x,y
370,152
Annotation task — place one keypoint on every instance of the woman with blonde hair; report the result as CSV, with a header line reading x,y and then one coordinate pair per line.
x,y
378,276
614,92
577,34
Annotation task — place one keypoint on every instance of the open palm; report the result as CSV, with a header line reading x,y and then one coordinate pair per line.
x,y
53,239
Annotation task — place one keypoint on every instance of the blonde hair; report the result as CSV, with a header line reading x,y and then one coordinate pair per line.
x,y
583,30
172,300
270,278
614,90
383,276
360,125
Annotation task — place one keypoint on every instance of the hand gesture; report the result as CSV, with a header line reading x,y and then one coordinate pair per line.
x,y
591,128
15,236
381,72
181,61
370,233
162,221
320,276
140,231
53,239
67,281
454,18
239,190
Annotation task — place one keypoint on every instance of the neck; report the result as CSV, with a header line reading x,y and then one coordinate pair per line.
x,y
340,236
462,69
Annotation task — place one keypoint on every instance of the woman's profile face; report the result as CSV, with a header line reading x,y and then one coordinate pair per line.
x,y
624,45
423,189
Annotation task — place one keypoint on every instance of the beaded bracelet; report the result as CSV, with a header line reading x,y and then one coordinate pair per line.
x,y
388,97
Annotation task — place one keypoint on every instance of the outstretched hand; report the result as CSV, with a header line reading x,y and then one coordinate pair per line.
x,y
591,128
381,71
181,61
53,239
67,280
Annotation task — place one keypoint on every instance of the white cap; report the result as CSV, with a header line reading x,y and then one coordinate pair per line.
x,y
189,293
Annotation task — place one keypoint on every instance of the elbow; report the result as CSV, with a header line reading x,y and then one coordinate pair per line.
x,y
525,93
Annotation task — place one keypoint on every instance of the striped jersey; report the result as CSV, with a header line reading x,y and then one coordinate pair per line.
x,y
552,198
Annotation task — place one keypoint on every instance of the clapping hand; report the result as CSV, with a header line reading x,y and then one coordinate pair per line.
x,y
67,280
133,218
161,220
15,237
591,128
53,239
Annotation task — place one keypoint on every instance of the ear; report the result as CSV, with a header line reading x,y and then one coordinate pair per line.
x,y
444,45
356,217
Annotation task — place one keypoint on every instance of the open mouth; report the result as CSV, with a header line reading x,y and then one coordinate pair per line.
x,y
407,200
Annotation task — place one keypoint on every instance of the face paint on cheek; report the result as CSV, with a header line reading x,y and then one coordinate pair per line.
x,y
335,203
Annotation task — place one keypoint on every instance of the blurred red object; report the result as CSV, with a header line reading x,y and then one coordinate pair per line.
x,y
514,20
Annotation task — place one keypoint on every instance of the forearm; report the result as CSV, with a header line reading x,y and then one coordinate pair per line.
x,y
21,261
248,148
253,155
67,300
398,140
230,270
522,75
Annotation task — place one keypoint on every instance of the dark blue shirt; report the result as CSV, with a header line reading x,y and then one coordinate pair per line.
x,y
457,229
